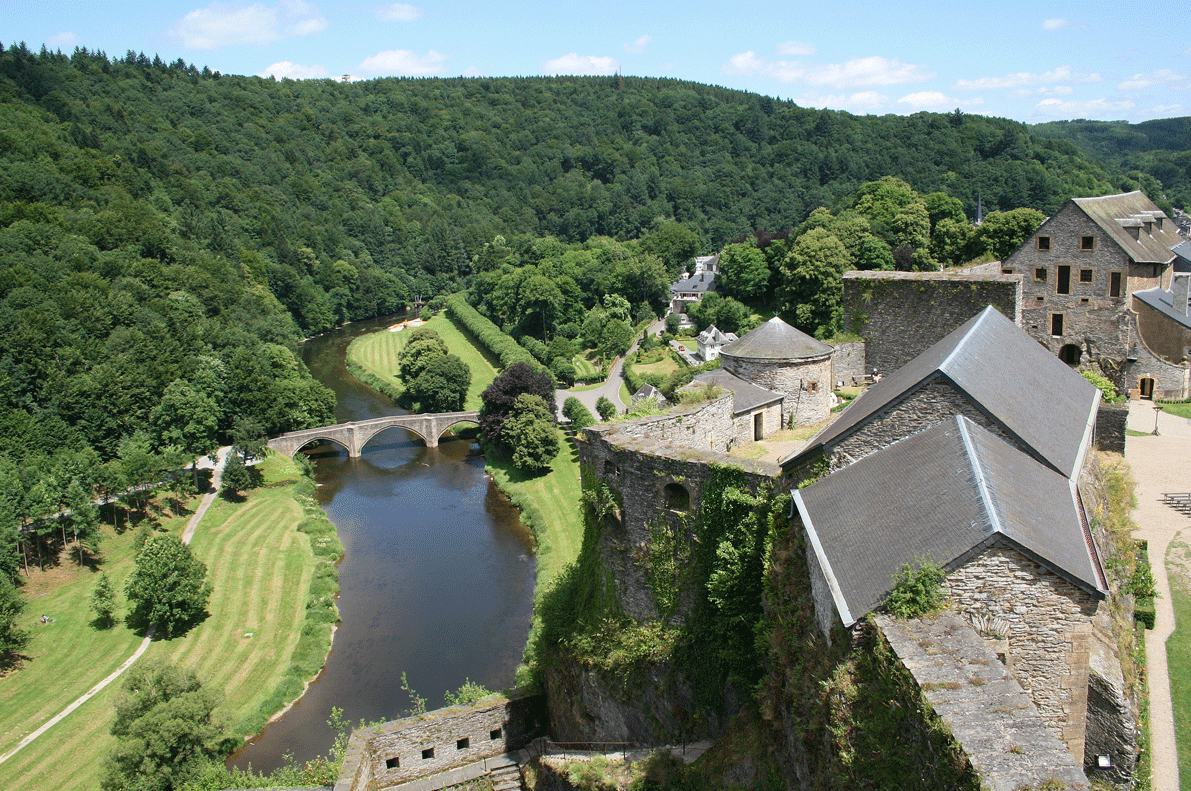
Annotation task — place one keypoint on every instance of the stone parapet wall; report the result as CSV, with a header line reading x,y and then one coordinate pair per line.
x,y
398,751
706,426
1110,428
805,382
659,484
902,314
847,364
930,404
1050,632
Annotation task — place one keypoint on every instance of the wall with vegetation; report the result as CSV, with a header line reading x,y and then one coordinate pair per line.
x,y
902,314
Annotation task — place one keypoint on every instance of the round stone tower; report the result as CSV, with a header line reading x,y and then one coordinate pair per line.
x,y
780,358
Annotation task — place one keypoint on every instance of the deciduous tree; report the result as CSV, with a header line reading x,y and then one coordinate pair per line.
x,y
531,434
500,396
168,586
12,604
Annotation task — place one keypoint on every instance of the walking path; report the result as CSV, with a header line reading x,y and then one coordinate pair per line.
x,y
208,498
611,386
1159,465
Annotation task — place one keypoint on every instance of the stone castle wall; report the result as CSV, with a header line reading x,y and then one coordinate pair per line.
x,y
771,417
1110,428
902,314
659,484
922,408
847,364
1050,632
402,750
1170,381
806,383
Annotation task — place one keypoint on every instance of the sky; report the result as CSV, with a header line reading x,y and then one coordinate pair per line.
x,y
1030,61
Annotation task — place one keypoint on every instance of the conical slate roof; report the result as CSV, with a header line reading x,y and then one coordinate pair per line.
x,y
776,340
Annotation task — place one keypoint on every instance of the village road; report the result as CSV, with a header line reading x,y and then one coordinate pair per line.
x,y
1159,465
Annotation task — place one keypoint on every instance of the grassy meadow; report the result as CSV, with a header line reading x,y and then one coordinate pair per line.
x,y
260,568
373,358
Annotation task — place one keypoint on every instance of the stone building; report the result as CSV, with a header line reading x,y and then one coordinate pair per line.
x,y
945,460
1096,280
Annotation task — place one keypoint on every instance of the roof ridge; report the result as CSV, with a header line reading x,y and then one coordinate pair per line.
x,y
994,516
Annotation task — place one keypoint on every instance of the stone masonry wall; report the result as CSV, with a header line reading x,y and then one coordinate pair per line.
x,y
659,483
1050,632
402,750
1110,428
847,364
805,382
771,419
1168,339
902,314
1170,381
705,426
922,408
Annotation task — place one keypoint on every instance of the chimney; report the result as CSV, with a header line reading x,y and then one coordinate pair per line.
x,y
1179,283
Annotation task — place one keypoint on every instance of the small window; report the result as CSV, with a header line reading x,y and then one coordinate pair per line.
x,y
427,754
1085,276
1039,299
1063,280
1083,300
1056,324
1043,242
1114,284
812,387
463,744
1040,274
494,734
1007,270
1087,243
392,763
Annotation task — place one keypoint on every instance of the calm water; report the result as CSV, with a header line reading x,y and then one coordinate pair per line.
x,y
437,580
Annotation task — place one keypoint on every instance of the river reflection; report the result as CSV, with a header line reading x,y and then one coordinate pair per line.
x,y
437,580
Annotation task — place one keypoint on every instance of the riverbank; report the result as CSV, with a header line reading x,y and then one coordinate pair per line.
x,y
255,645
372,358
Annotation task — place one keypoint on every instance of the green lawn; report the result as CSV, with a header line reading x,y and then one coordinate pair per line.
x,y
260,569
585,368
1182,410
1178,652
625,396
376,354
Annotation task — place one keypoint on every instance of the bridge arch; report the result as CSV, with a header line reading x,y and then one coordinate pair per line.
x,y
304,441
364,439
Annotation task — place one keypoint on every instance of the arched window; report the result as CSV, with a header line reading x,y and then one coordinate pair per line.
x,y
677,497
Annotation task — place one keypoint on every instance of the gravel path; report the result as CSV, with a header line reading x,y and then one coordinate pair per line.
x,y
1159,465
208,498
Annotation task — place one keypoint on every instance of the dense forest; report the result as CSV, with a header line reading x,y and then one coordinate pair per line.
x,y
1156,155
169,234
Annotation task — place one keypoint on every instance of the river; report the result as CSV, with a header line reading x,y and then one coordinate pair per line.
x,y
437,580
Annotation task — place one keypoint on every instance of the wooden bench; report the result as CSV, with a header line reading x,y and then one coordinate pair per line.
x,y
1180,501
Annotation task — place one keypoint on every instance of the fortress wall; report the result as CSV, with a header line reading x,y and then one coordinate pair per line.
x,y
402,750
847,364
902,314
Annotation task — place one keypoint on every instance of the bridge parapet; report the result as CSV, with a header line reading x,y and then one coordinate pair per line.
x,y
355,435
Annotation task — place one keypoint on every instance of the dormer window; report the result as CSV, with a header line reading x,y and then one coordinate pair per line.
x,y
1087,243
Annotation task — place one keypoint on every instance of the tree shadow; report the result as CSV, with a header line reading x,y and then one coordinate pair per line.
x,y
12,662
141,626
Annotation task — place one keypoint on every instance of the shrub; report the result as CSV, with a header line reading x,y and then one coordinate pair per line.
x,y
579,415
605,407
916,591
1107,389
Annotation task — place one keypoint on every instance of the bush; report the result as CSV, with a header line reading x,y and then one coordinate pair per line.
x,y
916,591
605,407
564,371
1107,389
579,415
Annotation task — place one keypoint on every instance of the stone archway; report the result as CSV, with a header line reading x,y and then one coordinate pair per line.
x,y
1146,387
1070,353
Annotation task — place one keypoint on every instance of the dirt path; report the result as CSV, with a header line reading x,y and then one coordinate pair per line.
x,y
208,498
1159,465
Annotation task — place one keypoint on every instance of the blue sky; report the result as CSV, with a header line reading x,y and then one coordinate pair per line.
x,y
1031,61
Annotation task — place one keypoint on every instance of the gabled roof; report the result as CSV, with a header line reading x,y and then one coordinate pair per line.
x,y
1163,302
746,396
1182,261
649,391
712,335
1006,374
776,340
946,495
699,282
1115,213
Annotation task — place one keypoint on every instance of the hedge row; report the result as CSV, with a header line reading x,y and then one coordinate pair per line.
x,y
503,347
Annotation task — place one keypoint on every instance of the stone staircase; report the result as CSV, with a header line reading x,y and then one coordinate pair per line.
x,y
506,777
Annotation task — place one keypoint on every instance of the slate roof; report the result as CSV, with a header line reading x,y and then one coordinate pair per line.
x,y
1182,261
649,391
776,340
1163,302
1006,374
1113,213
712,335
746,396
945,494
700,282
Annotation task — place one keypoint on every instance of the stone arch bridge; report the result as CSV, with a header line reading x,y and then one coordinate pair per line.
x,y
354,436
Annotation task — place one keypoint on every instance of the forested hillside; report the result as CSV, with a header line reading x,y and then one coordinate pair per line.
x,y
167,235
1154,155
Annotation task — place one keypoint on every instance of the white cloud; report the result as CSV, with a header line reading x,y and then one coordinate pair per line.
x,y
1028,82
225,24
403,62
472,71
638,46
64,40
399,12
1094,108
1055,23
934,101
295,71
796,48
859,102
1176,80
574,63
855,73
